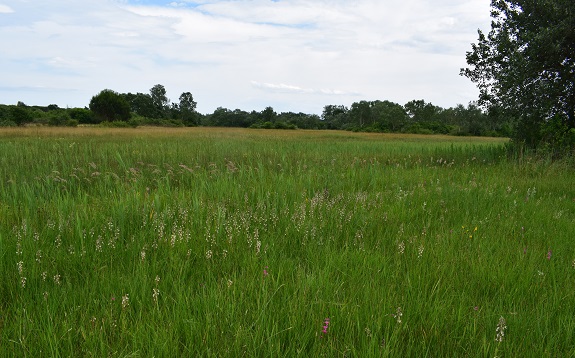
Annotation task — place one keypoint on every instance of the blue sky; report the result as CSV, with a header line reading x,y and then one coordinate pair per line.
x,y
293,55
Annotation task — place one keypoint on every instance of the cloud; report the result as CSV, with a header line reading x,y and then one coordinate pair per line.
x,y
285,88
5,9
302,54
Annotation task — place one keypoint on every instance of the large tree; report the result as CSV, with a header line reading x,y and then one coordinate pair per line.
x,y
110,106
160,101
141,104
525,68
187,108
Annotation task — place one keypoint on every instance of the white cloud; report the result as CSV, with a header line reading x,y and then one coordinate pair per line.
x,y
297,55
5,9
287,88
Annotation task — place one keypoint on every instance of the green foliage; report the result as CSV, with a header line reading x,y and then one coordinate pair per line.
x,y
160,101
20,115
335,116
141,104
187,108
72,123
82,115
525,66
58,118
268,115
109,106
8,123
421,111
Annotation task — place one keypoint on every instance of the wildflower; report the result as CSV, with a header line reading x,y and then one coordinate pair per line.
x,y
476,308
549,254
208,254
23,282
125,301
258,247
230,283
398,315
143,255
155,294
401,247
157,280
500,330
57,279
265,271
99,244
420,251
325,326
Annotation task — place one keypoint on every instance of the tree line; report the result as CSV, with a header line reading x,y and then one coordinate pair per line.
x,y
110,108
524,68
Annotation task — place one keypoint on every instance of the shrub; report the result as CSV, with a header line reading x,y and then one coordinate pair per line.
x,y
8,123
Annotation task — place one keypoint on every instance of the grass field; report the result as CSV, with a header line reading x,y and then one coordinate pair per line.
x,y
254,243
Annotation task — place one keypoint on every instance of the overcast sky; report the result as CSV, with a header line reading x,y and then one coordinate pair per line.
x,y
293,55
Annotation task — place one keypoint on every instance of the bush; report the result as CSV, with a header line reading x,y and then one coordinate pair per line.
x,y
134,122
8,123
58,118
72,123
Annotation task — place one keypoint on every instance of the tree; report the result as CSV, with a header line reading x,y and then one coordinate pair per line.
x,y
421,111
82,115
525,67
335,116
20,114
110,106
187,108
269,115
360,113
160,101
141,104
389,116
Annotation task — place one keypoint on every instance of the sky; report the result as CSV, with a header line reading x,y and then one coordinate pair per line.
x,y
292,55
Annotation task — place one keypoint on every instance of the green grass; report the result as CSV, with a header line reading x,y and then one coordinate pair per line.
x,y
204,242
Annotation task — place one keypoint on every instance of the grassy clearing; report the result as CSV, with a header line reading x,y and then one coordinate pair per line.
x,y
157,242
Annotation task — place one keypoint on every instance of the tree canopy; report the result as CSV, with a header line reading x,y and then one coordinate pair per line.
x,y
525,68
110,106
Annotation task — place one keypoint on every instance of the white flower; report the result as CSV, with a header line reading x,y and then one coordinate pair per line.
x,y
125,301
398,315
500,330
155,294
401,247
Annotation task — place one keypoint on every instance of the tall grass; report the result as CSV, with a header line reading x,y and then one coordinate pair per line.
x,y
204,242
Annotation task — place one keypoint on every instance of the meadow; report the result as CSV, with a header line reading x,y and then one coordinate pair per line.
x,y
260,243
